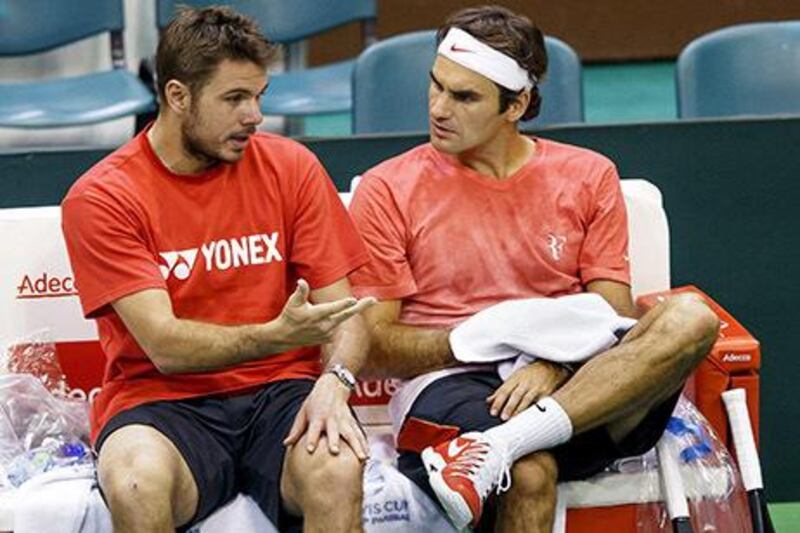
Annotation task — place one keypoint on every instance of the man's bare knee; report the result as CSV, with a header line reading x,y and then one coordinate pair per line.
x,y
692,314
529,505
137,480
310,479
686,322
535,475
143,477
696,323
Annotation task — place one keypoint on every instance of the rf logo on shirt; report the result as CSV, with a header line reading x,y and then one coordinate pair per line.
x,y
256,249
556,245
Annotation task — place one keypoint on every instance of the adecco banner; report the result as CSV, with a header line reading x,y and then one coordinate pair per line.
x,y
39,301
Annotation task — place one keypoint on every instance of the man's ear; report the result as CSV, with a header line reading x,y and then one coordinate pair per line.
x,y
518,106
178,97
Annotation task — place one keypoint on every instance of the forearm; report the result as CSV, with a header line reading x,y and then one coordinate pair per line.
x,y
401,351
349,346
184,346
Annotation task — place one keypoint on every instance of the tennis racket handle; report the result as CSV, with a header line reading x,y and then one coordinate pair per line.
x,y
672,484
682,525
742,432
761,521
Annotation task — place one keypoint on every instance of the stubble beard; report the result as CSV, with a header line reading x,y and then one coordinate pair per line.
x,y
195,146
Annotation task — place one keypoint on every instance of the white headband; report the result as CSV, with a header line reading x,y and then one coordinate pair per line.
x,y
471,53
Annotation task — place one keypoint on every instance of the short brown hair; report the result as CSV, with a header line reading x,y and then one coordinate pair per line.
x,y
510,33
196,41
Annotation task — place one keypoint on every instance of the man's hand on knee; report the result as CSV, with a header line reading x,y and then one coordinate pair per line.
x,y
327,412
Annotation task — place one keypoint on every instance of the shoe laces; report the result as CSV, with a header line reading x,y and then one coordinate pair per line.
x,y
486,464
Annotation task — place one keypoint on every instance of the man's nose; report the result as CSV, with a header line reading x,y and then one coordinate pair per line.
x,y
439,106
253,115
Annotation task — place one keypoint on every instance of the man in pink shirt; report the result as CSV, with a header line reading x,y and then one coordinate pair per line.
x,y
481,215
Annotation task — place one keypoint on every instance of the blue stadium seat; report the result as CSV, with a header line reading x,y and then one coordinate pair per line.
x,y
305,91
390,85
748,69
35,26
562,87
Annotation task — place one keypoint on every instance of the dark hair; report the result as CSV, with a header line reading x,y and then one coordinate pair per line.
x,y
514,35
196,41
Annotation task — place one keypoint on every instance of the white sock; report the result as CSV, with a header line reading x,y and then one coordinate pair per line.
x,y
541,426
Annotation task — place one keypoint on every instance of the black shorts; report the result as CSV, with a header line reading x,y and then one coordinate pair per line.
x,y
232,443
457,404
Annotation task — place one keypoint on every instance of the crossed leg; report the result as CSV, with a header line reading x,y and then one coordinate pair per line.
x,y
616,389
619,387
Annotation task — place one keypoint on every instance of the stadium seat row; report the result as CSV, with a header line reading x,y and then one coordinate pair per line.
x,y
749,69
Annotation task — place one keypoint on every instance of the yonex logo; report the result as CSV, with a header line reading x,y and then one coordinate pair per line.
x,y
179,263
257,249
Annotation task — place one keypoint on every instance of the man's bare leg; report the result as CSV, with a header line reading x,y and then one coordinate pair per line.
x,y
146,482
529,505
325,489
619,387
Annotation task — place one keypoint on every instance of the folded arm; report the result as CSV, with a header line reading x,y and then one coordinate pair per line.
x,y
403,351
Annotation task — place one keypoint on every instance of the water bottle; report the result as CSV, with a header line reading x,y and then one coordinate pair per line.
x,y
29,464
51,454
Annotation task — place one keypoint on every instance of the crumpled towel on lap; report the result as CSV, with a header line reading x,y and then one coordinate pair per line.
x,y
569,329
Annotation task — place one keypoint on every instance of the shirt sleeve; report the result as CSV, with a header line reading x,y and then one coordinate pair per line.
x,y
388,275
325,246
604,254
108,252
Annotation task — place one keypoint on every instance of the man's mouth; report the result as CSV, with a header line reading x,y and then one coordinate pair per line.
x,y
240,139
441,131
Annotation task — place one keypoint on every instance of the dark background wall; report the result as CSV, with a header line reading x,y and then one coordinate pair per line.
x,y
731,191
611,30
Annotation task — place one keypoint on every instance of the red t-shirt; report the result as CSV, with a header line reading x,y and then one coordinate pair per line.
x,y
448,241
228,246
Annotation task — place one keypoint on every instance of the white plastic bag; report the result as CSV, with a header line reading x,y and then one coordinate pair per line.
x,y
38,432
716,499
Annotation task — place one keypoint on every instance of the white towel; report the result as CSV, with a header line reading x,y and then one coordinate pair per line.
x,y
569,329
55,501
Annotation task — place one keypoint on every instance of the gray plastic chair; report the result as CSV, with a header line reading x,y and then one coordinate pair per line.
x,y
749,69
299,91
35,26
390,85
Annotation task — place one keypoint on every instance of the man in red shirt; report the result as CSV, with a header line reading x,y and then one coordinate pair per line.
x,y
483,215
214,260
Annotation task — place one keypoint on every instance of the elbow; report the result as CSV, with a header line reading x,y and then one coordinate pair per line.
x,y
163,362
162,352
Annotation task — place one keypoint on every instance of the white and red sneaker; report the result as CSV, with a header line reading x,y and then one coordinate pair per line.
x,y
463,471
